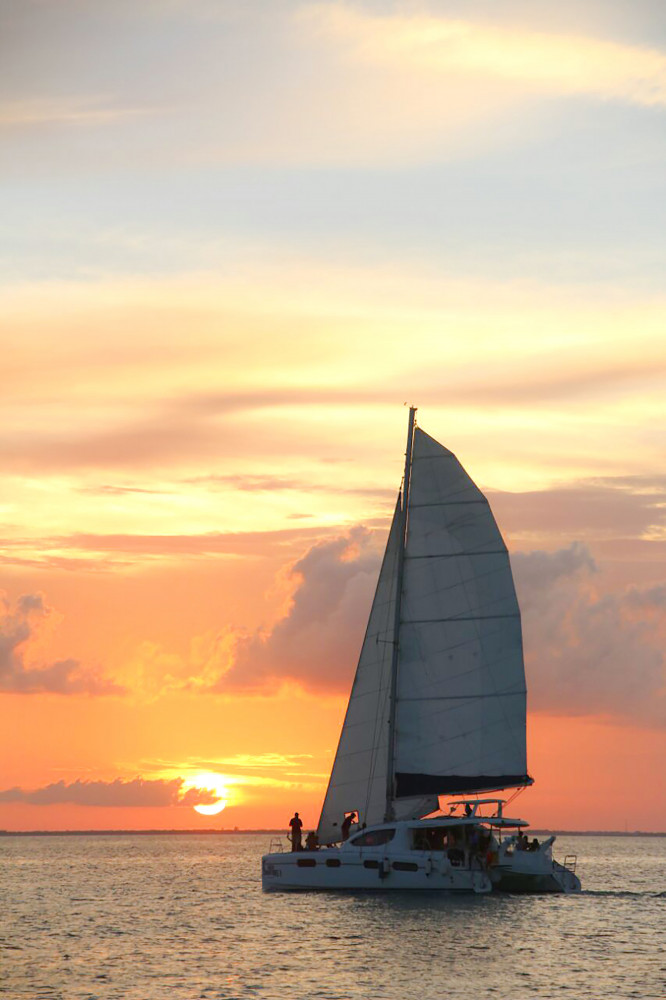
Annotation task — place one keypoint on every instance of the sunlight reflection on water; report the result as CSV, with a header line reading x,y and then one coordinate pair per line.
x,y
184,917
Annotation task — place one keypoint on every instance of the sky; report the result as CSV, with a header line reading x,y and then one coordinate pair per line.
x,y
235,240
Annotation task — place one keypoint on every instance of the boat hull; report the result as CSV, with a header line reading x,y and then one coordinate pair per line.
x,y
553,877
331,870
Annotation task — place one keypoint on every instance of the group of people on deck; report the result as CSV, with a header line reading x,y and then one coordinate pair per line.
x,y
296,827
523,844
477,841
312,841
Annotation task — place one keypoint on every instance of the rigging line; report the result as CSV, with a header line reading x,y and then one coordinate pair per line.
x,y
374,753
518,791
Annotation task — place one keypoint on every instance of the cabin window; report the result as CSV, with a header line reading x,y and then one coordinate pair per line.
x,y
332,862
435,838
374,838
306,862
371,864
405,866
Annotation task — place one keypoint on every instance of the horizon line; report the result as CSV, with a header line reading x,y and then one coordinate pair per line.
x,y
271,830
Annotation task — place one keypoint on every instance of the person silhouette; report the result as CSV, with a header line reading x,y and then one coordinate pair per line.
x,y
296,825
346,824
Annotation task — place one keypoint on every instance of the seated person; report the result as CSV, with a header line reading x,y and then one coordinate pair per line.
x,y
311,841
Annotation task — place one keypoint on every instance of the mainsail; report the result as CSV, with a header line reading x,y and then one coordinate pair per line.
x,y
449,708
461,694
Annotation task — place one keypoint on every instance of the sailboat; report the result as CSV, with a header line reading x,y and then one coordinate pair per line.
x,y
437,708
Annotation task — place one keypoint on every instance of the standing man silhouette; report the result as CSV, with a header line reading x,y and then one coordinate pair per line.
x,y
347,823
296,826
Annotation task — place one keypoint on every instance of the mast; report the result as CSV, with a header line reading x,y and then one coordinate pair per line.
x,y
390,791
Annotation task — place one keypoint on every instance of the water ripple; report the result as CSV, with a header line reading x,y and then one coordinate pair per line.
x,y
183,917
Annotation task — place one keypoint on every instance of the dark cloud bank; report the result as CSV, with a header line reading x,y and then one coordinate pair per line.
x,y
587,652
134,793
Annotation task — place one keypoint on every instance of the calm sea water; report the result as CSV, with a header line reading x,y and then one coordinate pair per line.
x,y
184,917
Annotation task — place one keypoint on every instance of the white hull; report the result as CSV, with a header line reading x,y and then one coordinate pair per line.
x,y
366,869
532,870
463,853
547,877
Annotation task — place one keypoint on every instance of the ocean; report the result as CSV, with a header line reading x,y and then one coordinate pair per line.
x,y
183,917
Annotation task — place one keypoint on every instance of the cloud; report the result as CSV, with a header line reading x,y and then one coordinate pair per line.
x,y
21,627
294,83
317,643
108,489
59,111
619,507
588,652
135,793
160,434
263,483
234,543
245,761
549,63
651,598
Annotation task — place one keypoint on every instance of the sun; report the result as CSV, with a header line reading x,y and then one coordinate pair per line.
x,y
211,782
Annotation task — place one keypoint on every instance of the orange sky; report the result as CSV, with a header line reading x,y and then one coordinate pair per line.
x,y
224,278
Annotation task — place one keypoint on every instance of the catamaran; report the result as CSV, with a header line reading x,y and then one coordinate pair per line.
x,y
437,709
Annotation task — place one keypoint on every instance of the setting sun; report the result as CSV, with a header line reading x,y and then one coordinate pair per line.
x,y
211,782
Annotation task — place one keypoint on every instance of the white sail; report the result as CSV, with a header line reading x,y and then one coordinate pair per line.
x,y
359,776
460,723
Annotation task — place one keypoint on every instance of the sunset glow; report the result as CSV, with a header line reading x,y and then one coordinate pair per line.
x,y
230,258
211,783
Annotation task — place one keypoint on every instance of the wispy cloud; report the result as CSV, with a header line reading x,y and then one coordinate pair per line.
x,y
234,543
549,62
620,507
395,87
64,111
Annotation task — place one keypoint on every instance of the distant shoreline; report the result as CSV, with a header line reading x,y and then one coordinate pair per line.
x,y
281,832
